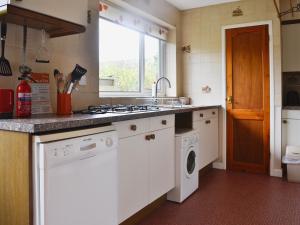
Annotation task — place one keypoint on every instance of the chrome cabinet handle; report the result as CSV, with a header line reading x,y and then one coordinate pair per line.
x,y
133,127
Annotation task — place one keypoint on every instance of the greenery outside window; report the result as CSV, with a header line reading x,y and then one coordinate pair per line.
x,y
130,61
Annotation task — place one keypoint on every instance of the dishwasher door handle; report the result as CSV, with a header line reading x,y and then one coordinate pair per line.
x,y
88,147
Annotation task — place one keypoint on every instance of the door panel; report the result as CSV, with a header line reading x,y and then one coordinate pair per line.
x,y
248,104
208,141
248,141
247,89
162,163
290,133
133,176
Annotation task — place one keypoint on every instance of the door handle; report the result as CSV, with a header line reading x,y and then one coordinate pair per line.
x,y
148,137
133,127
229,99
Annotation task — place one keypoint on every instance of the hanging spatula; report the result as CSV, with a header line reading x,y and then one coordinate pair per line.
x,y
24,69
5,69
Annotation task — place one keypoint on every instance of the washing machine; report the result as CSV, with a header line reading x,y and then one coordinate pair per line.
x,y
186,166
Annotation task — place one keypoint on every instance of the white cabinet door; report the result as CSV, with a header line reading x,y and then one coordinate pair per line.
x,y
290,133
208,141
204,143
133,176
162,163
70,10
213,130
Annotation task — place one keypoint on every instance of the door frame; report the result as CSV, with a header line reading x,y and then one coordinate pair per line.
x,y
223,141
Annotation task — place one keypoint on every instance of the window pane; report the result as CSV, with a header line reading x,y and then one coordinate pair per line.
x,y
151,61
119,58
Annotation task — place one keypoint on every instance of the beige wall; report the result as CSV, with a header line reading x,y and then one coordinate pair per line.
x,y
81,49
290,39
285,5
202,28
168,13
291,47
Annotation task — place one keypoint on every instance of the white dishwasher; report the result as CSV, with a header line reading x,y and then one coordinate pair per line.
x,y
75,178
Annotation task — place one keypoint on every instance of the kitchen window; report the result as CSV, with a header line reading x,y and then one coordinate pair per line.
x,y
130,61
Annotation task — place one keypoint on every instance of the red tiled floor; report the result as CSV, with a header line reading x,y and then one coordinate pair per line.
x,y
232,198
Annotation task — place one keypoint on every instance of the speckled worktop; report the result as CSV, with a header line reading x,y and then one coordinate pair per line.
x,y
291,108
52,122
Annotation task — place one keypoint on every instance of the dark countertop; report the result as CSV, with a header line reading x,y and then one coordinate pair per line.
x,y
291,107
52,122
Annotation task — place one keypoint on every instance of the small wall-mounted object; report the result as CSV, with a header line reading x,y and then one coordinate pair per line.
x,y
237,12
89,16
206,89
186,48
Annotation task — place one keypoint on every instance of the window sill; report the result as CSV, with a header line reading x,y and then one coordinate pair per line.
x,y
126,95
123,95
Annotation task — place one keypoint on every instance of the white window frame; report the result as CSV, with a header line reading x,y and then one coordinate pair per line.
x,y
142,92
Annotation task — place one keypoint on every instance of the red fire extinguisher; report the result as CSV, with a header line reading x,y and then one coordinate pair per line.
x,y
23,94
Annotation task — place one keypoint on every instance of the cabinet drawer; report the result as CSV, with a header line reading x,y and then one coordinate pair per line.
x,y
162,122
132,127
205,114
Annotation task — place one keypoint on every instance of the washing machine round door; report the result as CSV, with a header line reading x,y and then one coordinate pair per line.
x,y
190,162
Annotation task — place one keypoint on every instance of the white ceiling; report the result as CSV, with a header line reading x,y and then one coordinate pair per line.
x,y
189,4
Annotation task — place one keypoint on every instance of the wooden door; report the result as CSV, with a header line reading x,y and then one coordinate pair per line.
x,y
248,99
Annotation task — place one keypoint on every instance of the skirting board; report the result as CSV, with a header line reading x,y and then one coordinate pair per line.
x,y
219,165
276,173
273,173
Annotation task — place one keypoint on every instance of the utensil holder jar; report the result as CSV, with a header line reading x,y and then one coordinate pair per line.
x,y
64,104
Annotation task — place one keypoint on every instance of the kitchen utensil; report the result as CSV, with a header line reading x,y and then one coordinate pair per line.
x,y
64,104
5,69
75,86
184,100
43,54
59,77
23,68
6,103
76,75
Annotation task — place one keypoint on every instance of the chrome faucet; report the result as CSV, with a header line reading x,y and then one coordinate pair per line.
x,y
156,86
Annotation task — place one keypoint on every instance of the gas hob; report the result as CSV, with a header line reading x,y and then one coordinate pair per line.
x,y
121,109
